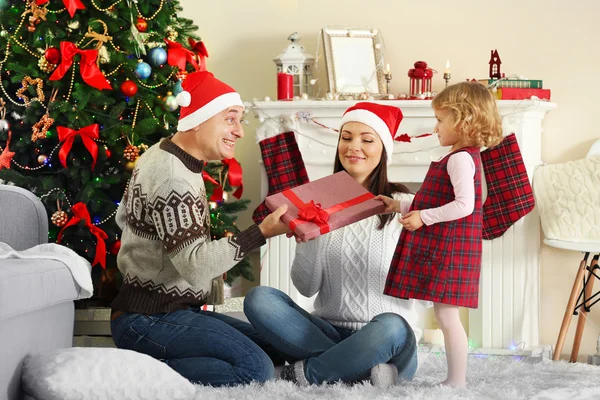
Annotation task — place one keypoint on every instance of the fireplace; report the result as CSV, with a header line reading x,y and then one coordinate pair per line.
x,y
509,306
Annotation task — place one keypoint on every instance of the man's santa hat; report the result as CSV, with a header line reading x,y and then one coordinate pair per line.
x,y
203,97
384,120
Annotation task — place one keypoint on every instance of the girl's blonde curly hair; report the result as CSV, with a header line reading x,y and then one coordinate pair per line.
x,y
473,112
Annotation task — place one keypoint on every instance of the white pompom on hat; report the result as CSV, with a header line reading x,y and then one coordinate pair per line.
x,y
203,96
384,120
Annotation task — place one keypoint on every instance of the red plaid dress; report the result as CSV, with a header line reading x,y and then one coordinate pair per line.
x,y
440,262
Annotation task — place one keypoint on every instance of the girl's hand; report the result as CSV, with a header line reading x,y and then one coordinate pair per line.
x,y
412,220
391,205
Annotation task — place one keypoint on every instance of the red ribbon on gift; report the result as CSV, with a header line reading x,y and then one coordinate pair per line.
x,y
177,55
235,176
90,72
200,50
81,213
217,194
311,212
87,134
70,5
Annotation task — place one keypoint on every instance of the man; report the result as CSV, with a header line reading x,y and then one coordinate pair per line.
x,y
167,258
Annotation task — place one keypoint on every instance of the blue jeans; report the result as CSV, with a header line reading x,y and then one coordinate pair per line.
x,y
203,346
331,353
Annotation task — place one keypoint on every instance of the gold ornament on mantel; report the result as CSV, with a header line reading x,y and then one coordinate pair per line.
x,y
30,81
40,129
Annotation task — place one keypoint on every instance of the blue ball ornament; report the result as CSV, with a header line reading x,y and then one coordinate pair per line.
x,y
177,88
143,70
157,56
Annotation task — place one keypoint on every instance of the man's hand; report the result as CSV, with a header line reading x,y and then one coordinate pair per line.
x,y
391,205
412,220
272,225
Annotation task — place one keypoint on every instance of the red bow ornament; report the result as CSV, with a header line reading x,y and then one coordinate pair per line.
x,y
313,213
81,213
200,50
235,176
70,5
177,55
217,194
87,134
90,72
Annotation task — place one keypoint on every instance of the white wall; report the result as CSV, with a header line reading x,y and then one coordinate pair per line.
x,y
553,40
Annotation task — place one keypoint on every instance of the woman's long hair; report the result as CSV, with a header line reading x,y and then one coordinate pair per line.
x,y
378,183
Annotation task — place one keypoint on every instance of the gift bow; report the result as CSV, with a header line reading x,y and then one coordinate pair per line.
x,y
200,49
235,176
90,72
313,212
177,55
81,213
87,134
217,194
70,5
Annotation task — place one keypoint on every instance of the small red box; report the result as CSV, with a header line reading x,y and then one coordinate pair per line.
x,y
324,205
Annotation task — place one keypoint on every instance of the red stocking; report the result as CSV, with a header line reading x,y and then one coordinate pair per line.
x,y
284,166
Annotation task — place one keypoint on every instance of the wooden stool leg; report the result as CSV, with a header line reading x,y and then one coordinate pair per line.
x,y
570,308
581,319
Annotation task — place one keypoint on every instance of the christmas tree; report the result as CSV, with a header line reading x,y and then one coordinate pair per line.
x,y
87,86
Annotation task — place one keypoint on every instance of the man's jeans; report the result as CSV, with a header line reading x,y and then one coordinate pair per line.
x,y
203,346
331,353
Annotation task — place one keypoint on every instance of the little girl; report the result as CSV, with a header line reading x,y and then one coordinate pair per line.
x,y
438,256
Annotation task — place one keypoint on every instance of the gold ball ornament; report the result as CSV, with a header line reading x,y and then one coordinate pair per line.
x,y
46,66
59,218
170,102
129,166
131,152
42,158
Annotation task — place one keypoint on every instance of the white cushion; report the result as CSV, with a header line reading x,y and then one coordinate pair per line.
x,y
80,373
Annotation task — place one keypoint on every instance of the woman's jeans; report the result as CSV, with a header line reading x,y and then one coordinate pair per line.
x,y
203,346
331,353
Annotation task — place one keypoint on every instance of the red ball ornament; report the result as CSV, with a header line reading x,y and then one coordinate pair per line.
x,y
115,247
129,88
108,153
52,55
141,24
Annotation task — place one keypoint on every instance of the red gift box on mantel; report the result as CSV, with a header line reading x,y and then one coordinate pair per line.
x,y
324,205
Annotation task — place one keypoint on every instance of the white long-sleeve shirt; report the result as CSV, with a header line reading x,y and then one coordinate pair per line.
x,y
347,269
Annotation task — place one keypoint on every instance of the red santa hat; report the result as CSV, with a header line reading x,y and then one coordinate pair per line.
x,y
203,97
384,120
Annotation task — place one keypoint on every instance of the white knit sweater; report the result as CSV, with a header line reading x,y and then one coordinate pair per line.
x,y
348,268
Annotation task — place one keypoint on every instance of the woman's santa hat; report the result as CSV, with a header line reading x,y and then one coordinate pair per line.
x,y
203,97
384,120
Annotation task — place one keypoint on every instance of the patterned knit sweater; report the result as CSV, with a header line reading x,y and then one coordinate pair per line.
x,y
167,258
348,268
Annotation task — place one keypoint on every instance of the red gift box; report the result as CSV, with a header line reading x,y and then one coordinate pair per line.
x,y
321,206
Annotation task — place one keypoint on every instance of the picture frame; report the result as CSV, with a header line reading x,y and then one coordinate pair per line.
x,y
354,60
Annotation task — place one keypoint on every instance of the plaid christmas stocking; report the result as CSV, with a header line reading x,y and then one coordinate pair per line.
x,y
510,197
284,166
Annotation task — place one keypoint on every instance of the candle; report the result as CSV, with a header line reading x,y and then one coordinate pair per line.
x,y
447,70
285,86
387,69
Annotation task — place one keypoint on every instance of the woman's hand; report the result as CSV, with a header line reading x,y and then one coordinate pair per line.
x,y
412,220
391,205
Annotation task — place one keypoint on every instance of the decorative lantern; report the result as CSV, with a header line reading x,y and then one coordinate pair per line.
x,y
420,81
295,61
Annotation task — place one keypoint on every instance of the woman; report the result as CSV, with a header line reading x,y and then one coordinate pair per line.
x,y
355,331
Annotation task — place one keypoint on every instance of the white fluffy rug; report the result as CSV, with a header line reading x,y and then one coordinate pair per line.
x,y
488,378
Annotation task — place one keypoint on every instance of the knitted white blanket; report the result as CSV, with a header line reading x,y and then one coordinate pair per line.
x,y
567,197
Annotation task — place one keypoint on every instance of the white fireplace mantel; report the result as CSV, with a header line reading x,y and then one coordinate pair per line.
x,y
508,313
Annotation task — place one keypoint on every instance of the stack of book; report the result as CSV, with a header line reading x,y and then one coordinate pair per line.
x,y
517,89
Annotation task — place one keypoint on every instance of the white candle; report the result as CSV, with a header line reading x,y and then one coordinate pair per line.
x,y
447,70
387,69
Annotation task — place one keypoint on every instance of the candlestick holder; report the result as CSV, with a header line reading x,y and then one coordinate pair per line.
x,y
447,77
388,78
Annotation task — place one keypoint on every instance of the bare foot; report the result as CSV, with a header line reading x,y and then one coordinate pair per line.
x,y
457,385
